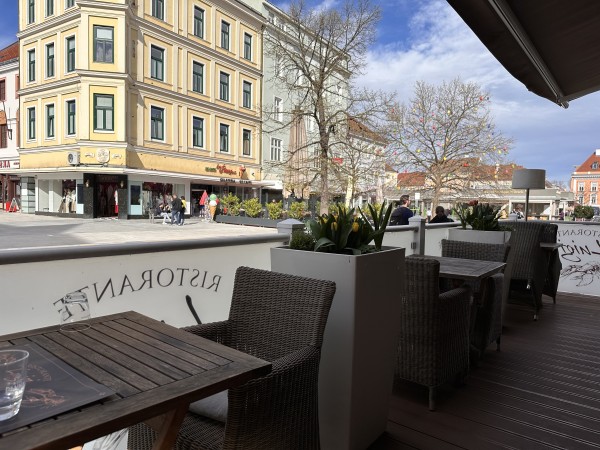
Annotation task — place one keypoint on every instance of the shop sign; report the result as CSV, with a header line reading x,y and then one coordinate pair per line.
x,y
232,180
223,169
9,164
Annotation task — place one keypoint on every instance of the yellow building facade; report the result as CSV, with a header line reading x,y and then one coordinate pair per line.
x,y
125,102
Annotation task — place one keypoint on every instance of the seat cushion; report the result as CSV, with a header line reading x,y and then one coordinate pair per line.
x,y
213,407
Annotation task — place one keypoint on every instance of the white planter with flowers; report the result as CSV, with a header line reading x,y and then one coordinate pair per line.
x,y
360,340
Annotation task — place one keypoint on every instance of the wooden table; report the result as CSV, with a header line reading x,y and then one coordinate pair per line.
x,y
467,269
155,369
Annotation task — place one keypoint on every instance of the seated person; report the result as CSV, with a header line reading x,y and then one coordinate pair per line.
x,y
440,216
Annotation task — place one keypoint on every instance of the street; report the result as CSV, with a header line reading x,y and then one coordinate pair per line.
x,y
19,230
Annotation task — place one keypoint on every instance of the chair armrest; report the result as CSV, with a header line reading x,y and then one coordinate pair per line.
x,y
215,331
277,402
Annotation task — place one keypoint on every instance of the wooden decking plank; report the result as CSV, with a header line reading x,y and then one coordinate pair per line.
x,y
541,391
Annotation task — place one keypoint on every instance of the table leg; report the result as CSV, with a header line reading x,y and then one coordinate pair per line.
x,y
167,426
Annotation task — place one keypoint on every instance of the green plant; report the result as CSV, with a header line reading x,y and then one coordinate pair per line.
x,y
230,205
301,240
252,206
479,216
583,212
275,210
297,210
348,232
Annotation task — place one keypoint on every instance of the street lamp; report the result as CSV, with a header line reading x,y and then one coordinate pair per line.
x,y
528,179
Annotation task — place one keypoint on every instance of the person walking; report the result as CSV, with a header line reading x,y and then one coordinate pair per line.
x,y
440,216
175,209
402,213
183,210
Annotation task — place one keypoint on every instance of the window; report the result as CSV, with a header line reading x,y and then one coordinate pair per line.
x,y
70,117
198,132
3,90
593,199
70,3
594,187
103,112
198,77
581,200
49,8
3,136
224,138
246,137
70,54
103,44
595,165
247,94
30,11
157,123
224,86
224,35
278,109
198,22
30,123
247,46
31,65
275,149
158,9
50,121
581,187
49,60
157,56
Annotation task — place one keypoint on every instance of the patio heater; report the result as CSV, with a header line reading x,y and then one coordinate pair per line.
x,y
528,179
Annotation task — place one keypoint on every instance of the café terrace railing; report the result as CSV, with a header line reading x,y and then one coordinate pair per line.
x,y
154,278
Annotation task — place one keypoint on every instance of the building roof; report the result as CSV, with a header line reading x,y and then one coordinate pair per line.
x,y
9,53
407,179
588,165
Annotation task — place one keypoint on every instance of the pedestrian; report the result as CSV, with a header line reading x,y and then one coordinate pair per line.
x,y
402,213
175,209
440,216
212,204
183,210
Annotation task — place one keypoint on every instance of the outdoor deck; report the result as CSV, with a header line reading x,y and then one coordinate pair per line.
x,y
541,391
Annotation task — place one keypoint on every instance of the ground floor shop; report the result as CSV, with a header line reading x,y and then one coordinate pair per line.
x,y
124,195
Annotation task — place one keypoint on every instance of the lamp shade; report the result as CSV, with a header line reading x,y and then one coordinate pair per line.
x,y
529,179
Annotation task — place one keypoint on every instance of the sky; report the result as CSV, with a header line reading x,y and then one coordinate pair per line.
x,y
425,40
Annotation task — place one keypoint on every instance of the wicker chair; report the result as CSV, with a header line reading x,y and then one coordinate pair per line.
x,y
527,264
486,311
433,346
280,318
554,265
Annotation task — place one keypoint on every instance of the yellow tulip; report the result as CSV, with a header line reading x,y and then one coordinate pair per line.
x,y
355,227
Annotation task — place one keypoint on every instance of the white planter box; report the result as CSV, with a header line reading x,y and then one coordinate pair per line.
x,y
360,341
486,237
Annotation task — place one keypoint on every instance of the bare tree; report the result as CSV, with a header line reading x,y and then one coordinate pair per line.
x,y
447,133
318,53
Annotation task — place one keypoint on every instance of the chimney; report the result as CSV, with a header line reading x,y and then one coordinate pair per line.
x,y
598,152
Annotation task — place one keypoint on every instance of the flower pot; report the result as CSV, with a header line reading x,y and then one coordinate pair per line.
x,y
360,342
486,237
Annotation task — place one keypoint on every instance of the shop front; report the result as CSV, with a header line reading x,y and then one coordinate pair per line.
x,y
10,192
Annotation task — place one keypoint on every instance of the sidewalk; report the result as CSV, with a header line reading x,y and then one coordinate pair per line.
x,y
30,231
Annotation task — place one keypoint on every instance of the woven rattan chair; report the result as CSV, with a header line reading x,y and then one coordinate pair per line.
x,y
280,318
433,346
486,310
528,265
554,265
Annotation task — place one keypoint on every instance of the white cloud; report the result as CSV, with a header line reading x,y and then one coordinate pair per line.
x,y
440,47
